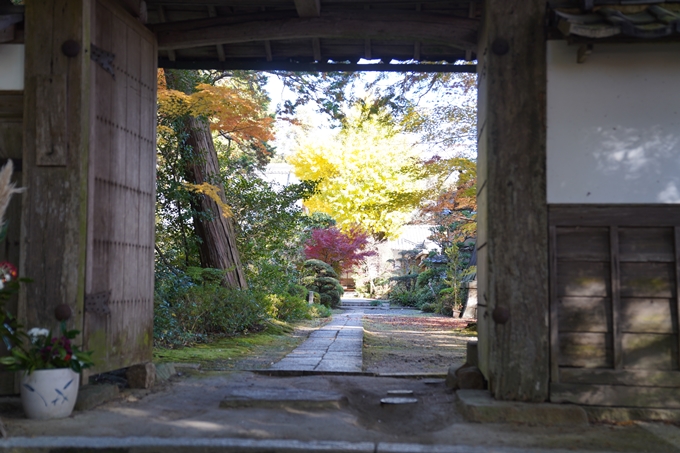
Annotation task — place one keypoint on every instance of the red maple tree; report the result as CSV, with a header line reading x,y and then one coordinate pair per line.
x,y
342,250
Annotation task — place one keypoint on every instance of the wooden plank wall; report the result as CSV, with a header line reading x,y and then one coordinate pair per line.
x,y
11,137
122,191
614,305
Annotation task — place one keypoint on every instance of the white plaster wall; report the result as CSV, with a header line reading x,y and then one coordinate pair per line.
x,y
11,67
614,124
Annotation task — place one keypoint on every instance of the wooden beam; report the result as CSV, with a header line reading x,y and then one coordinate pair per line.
x,y
367,42
615,270
268,3
316,48
416,50
631,215
616,395
554,310
432,28
268,50
308,8
212,12
161,16
258,65
7,20
472,10
676,231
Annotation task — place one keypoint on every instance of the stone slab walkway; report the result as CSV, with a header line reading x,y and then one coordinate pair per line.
x,y
335,347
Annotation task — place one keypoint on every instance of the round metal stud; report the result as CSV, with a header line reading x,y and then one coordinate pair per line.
x,y
63,312
500,46
70,48
500,315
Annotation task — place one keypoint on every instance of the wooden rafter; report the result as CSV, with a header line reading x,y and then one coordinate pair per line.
x,y
212,12
268,50
368,49
308,8
472,9
161,15
316,48
267,3
417,45
253,65
435,28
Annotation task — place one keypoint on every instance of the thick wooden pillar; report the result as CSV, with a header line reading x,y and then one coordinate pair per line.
x,y
513,231
55,164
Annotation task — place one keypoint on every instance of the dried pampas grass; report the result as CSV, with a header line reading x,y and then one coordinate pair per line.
x,y
7,189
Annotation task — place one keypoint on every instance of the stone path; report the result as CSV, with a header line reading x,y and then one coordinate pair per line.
x,y
336,347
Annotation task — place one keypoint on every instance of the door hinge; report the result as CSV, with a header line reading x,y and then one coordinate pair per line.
x,y
103,58
98,303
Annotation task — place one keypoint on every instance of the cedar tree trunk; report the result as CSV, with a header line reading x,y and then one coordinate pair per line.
x,y
218,240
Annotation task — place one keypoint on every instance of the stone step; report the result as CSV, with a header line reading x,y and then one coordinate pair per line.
x,y
241,445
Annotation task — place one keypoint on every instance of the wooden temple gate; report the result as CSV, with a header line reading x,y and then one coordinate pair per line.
x,y
122,187
89,163
578,299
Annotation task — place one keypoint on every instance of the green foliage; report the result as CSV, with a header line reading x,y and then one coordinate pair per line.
x,y
428,307
429,277
452,297
48,352
405,282
188,311
205,276
318,268
297,290
322,279
317,310
190,304
287,307
367,174
414,298
192,307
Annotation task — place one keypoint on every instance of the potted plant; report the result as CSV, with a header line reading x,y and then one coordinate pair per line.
x,y
50,366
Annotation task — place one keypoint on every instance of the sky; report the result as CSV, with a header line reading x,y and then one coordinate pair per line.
x,y
285,133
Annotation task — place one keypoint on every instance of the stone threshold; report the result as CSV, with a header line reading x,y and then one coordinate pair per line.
x,y
235,445
480,407
295,373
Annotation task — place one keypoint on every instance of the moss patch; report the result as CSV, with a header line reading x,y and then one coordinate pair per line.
x,y
245,352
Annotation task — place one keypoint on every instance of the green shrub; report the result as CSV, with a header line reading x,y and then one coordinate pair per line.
x,y
188,312
322,279
429,276
319,311
403,297
405,282
298,291
205,276
318,268
286,307
429,307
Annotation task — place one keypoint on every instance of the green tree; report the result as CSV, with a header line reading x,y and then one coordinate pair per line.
x,y
189,110
367,174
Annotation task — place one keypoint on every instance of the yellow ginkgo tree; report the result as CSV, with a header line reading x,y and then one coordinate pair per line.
x,y
368,174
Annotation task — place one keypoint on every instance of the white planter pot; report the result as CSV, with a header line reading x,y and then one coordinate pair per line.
x,y
49,394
